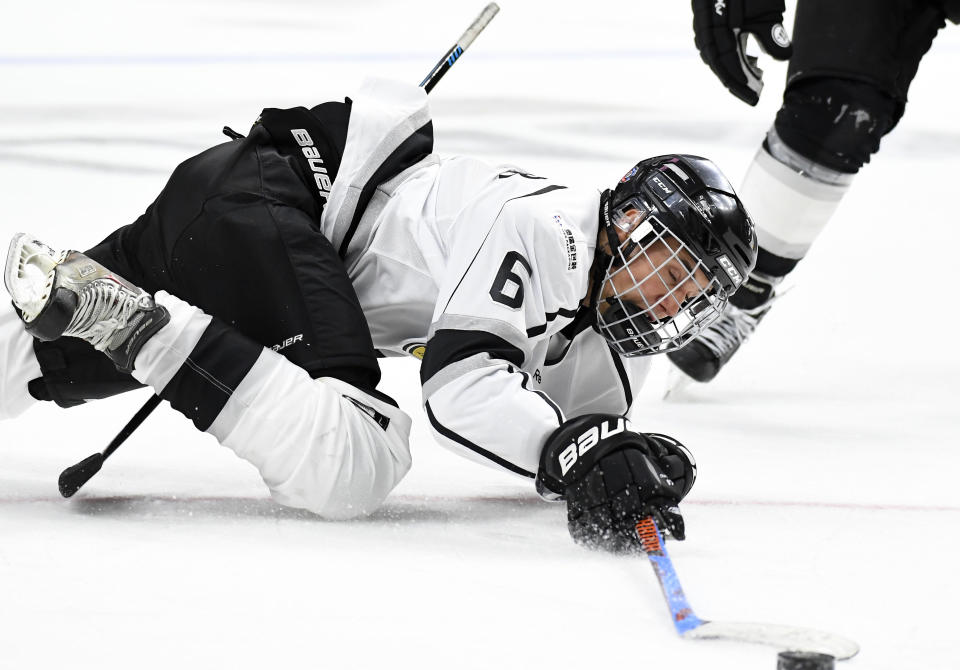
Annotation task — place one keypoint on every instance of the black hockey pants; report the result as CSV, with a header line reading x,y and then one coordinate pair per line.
x,y
236,233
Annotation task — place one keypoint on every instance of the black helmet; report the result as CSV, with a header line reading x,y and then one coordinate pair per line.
x,y
680,244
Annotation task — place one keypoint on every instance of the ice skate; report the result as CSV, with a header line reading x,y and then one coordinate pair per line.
x,y
702,359
67,294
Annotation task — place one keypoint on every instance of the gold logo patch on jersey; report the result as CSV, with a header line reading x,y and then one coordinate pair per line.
x,y
416,349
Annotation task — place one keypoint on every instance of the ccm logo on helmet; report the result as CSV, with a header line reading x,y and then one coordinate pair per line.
x,y
663,187
732,271
320,175
589,439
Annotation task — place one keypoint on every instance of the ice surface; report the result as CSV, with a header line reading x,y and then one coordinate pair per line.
x,y
828,451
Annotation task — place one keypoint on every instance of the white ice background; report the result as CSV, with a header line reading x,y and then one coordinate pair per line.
x,y
828,451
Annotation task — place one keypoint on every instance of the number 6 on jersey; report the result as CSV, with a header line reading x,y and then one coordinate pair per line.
x,y
507,288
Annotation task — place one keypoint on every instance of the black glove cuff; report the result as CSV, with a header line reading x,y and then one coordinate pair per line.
x,y
574,448
676,460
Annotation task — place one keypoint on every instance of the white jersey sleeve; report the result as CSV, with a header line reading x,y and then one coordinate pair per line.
x,y
515,276
585,376
389,132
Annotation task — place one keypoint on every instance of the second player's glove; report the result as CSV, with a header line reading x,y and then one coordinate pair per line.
x,y
720,29
611,477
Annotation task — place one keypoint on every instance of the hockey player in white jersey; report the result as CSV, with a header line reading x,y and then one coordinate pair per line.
x,y
257,290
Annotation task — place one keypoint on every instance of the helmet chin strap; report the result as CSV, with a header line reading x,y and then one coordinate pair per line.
x,y
625,313
613,240
601,259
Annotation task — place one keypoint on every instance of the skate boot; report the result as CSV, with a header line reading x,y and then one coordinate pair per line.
x,y
67,294
703,358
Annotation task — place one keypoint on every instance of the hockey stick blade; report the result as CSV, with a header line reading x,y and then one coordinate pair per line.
x,y
73,478
787,638
692,627
459,47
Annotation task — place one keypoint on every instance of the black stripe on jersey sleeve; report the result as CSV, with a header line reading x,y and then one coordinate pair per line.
x,y
543,396
459,439
412,150
581,322
545,189
449,346
541,329
215,367
624,378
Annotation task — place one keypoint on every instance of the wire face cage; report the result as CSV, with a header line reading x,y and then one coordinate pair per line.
x,y
656,295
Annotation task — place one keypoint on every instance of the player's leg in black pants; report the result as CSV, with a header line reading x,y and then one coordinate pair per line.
x,y
847,87
234,233
852,65
233,239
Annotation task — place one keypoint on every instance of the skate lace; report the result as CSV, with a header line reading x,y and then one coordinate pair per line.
x,y
730,330
105,308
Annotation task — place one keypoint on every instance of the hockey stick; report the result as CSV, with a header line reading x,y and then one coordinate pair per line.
x,y
692,627
459,47
73,478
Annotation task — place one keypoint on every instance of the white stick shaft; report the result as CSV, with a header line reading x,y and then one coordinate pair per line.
x,y
478,25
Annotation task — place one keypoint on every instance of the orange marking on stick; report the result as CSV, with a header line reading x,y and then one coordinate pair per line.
x,y
649,537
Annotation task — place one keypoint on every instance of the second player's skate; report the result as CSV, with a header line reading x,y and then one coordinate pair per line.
x,y
67,294
702,359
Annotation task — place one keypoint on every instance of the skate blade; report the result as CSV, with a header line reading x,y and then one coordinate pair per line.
x,y
677,385
28,273
11,270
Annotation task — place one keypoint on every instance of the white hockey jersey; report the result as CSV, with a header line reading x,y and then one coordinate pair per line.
x,y
481,271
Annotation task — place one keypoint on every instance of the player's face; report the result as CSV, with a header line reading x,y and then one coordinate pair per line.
x,y
657,279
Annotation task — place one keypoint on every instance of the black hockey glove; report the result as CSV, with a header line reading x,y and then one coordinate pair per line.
x,y
611,477
720,29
